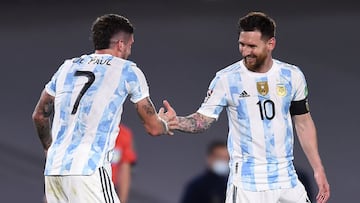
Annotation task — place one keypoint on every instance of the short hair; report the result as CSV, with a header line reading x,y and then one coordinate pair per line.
x,y
107,26
258,21
214,145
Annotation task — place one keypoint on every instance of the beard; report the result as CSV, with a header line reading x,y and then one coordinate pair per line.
x,y
253,62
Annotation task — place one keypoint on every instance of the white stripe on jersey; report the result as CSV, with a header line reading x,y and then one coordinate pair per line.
x,y
260,139
82,141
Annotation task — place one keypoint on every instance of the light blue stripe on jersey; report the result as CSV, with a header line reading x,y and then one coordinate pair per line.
x,y
83,109
222,103
272,163
68,85
286,73
247,169
107,122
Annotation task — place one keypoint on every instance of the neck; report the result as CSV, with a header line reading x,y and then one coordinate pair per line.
x,y
109,51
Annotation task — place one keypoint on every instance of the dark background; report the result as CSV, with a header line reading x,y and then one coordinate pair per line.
x,y
179,45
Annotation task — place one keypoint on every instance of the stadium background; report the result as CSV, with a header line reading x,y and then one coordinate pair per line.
x,y
179,45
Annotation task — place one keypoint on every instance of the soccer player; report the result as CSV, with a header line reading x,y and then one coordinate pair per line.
x,y
86,95
262,96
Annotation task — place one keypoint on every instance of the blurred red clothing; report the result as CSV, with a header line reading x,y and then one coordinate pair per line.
x,y
123,151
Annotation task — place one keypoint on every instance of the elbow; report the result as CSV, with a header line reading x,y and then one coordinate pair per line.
x,y
36,117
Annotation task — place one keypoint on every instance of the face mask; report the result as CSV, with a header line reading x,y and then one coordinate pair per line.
x,y
220,167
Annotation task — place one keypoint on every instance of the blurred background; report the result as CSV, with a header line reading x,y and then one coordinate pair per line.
x,y
179,45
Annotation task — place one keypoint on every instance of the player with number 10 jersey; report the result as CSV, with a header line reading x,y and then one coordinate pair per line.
x,y
260,140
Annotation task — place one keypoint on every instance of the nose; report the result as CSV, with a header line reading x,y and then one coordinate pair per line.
x,y
245,50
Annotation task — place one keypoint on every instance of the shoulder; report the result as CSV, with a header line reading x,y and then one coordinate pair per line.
x,y
124,62
284,66
229,69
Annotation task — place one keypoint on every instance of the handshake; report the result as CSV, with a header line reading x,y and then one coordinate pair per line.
x,y
193,123
168,118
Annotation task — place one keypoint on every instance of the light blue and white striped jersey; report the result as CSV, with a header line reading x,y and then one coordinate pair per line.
x,y
260,139
89,94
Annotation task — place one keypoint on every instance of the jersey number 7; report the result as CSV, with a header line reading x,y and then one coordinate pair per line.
x,y
91,79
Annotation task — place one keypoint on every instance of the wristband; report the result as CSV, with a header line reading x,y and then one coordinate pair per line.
x,y
165,125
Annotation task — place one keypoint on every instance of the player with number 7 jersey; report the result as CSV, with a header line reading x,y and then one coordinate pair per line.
x,y
86,88
85,97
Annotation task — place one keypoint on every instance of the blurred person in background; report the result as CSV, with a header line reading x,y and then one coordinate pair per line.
x,y
122,162
210,186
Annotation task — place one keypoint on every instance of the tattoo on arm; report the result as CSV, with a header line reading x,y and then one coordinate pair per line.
x,y
41,117
195,123
149,107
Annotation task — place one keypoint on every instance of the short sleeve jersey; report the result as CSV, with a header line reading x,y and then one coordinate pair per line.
x,y
260,138
89,94
123,152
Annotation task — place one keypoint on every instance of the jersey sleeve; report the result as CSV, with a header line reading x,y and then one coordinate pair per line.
x,y
50,87
301,90
215,99
137,85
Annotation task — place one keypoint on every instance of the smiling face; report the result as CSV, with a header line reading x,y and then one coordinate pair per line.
x,y
256,50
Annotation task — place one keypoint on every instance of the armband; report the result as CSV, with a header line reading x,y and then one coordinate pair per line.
x,y
299,107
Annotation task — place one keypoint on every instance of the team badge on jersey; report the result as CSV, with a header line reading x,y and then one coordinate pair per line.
x,y
263,88
281,90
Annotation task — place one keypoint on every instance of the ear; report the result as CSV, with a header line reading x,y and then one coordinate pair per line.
x,y
271,43
120,44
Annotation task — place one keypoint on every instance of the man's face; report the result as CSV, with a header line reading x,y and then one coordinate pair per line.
x,y
219,154
254,50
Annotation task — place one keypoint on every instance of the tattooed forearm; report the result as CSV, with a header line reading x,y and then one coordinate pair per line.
x,y
195,123
44,132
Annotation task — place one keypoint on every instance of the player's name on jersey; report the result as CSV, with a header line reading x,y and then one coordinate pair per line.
x,y
93,60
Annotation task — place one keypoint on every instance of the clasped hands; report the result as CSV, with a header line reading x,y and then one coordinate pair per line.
x,y
169,116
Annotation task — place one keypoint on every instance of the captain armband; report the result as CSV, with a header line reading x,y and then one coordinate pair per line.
x,y
299,107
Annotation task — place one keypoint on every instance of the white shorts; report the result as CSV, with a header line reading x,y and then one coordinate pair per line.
x,y
96,188
291,195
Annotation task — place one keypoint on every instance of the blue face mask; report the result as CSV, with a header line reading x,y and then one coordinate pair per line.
x,y
220,167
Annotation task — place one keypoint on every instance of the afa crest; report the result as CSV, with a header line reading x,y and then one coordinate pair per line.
x,y
281,90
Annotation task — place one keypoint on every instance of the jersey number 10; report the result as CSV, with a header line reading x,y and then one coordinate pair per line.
x,y
267,109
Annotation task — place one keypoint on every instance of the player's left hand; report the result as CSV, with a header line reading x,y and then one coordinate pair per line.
x,y
323,185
